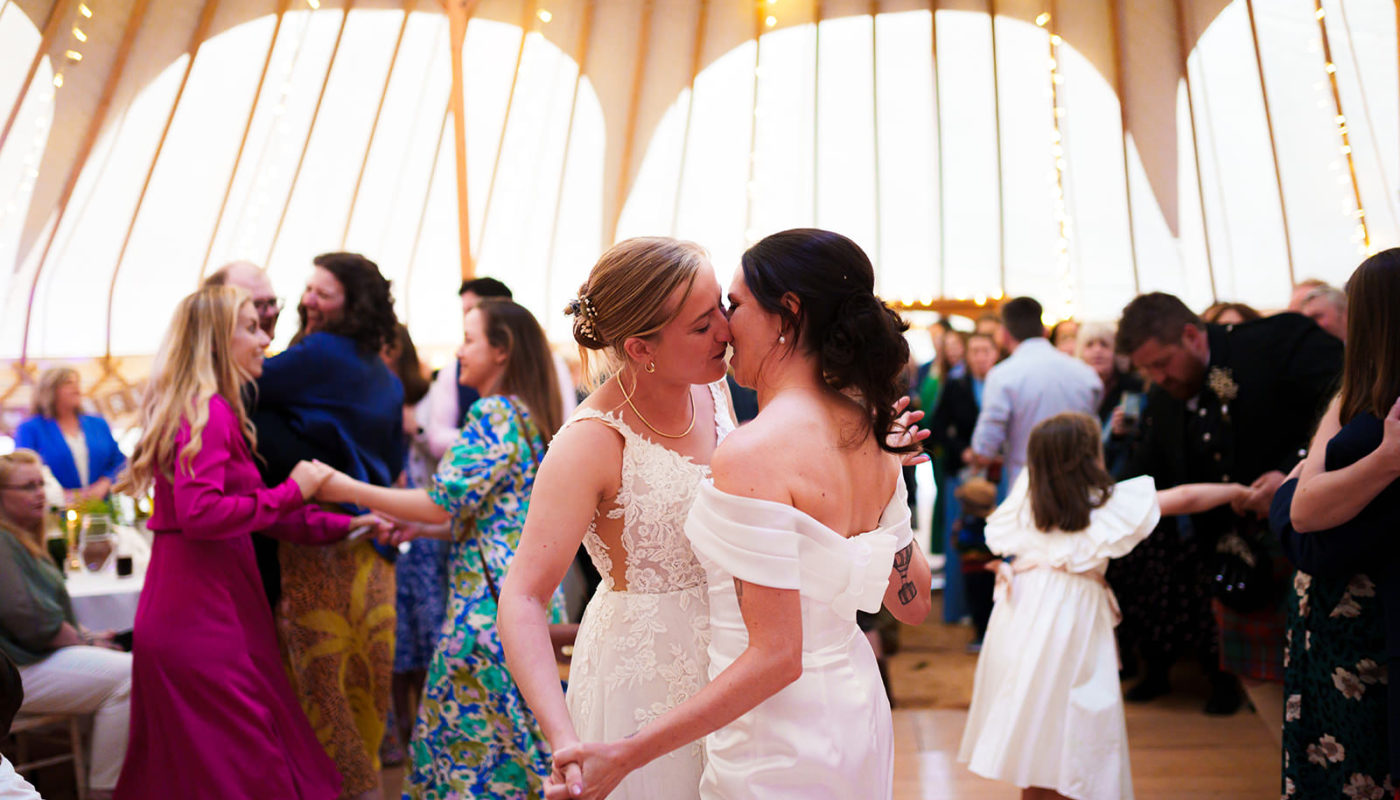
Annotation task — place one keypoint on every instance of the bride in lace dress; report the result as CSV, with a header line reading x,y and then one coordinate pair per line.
x,y
804,523
620,478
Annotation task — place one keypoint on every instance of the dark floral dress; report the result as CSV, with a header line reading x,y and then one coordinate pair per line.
x,y
1335,689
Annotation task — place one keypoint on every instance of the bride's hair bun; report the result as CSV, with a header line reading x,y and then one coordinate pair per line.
x,y
858,340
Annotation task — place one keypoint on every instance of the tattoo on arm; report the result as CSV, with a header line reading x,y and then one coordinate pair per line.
x,y
902,560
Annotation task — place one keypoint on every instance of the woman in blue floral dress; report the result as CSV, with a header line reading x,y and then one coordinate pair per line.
x,y
474,736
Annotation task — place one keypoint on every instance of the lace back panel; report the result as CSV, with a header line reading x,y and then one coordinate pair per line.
x,y
657,489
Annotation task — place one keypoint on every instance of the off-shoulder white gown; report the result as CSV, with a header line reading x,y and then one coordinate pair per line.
x,y
828,734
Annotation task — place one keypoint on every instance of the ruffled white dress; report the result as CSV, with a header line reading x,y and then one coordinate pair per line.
x,y
828,734
641,648
1047,708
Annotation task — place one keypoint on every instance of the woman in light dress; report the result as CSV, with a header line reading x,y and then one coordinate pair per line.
x,y
1047,705
620,478
804,523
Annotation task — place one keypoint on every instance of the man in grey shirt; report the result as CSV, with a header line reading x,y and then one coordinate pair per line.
x,y
1034,383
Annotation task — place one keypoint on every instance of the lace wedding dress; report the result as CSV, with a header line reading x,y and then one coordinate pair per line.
x,y
828,735
641,648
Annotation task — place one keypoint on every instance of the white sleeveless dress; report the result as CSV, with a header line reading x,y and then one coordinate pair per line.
x,y
829,733
642,651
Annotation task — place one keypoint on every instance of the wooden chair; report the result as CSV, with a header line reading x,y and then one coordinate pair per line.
x,y
54,727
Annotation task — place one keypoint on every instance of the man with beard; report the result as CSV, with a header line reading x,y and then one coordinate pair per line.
x,y
1233,404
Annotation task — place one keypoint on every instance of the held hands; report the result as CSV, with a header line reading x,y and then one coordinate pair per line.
x,y
906,432
310,475
390,533
604,763
1256,499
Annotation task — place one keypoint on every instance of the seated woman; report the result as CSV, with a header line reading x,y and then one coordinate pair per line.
x,y
77,447
65,668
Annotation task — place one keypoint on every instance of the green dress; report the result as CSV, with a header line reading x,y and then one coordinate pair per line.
x,y
475,737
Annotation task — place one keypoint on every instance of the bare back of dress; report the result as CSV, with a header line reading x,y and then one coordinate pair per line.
x,y
642,648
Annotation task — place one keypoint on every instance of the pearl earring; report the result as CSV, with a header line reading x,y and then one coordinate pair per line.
x,y
782,340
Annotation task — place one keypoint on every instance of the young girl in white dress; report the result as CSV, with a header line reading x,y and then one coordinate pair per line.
x,y
1047,708
620,478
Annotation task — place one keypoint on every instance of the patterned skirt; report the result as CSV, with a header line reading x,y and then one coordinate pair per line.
x,y
336,624
1336,690
421,575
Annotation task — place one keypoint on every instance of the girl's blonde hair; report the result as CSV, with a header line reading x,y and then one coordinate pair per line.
x,y
32,539
193,364
46,395
627,295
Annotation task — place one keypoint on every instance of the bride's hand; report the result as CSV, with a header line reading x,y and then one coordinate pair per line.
x,y
905,432
591,770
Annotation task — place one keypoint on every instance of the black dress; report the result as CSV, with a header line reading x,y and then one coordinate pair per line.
x,y
1341,719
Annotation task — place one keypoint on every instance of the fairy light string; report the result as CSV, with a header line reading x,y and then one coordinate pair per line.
x,y
1362,234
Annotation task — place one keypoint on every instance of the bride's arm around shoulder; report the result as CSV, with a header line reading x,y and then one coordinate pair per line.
x,y
582,468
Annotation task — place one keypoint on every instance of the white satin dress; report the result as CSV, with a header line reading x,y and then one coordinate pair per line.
x,y
828,735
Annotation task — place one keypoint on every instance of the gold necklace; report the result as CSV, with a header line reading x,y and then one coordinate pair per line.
x,y
654,429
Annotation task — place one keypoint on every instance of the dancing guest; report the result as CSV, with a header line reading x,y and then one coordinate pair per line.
x,y
804,523
1228,404
1065,336
1327,306
212,713
65,668
620,478
449,399
931,380
1121,405
474,736
1337,516
1047,708
1035,382
329,397
252,279
951,428
78,448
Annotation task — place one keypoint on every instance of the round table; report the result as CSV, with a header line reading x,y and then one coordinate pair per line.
x,y
102,601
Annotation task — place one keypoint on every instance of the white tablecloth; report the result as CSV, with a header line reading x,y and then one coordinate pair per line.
x,y
102,601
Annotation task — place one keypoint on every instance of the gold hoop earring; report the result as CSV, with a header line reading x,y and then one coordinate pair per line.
x,y
651,366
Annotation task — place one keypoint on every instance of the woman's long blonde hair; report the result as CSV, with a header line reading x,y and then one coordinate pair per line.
x,y
193,364
32,539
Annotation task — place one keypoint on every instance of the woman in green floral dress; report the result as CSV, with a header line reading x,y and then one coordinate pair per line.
x,y
475,737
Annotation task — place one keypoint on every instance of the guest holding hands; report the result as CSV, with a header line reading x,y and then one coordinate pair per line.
x,y
65,668
213,715
78,448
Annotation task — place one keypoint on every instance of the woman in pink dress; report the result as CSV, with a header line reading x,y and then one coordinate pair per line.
x,y
212,712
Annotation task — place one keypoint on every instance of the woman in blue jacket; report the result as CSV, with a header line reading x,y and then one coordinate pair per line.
x,y
78,448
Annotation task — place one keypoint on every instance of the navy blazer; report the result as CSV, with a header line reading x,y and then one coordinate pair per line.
x,y
42,435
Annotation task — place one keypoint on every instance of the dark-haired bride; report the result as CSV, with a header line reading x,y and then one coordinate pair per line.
x,y
803,523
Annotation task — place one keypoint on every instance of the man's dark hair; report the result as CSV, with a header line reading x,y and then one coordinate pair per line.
x,y
1159,316
484,287
1020,316
368,317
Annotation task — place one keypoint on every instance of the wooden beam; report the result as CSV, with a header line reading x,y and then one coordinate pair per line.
x,y
459,12
581,48
1120,87
201,30
629,131
57,15
1183,41
527,16
697,49
94,128
938,156
996,123
243,140
1273,141
310,129
374,127
874,8
1342,125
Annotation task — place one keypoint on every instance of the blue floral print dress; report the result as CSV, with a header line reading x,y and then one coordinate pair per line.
x,y
475,737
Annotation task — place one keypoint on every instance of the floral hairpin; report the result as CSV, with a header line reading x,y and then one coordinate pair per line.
x,y
582,308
